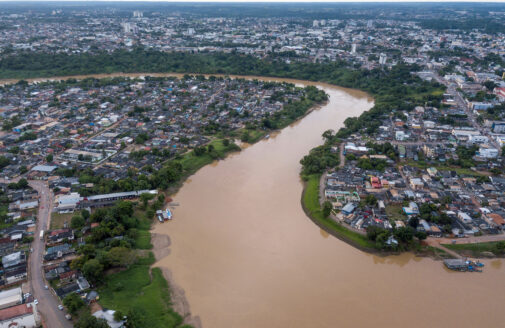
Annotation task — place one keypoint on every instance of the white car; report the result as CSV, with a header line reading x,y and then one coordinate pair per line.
x,y
46,287
60,307
35,302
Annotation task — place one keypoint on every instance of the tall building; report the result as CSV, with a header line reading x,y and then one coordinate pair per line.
x,y
353,48
129,27
382,59
138,14
315,23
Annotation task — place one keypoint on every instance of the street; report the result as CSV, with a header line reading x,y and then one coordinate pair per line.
x,y
48,303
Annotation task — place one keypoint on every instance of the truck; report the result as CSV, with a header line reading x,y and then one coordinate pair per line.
x,y
41,234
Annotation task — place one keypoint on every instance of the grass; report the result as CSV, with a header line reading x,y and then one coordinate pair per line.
x,y
311,205
143,240
458,170
58,220
192,163
395,212
256,135
474,249
144,290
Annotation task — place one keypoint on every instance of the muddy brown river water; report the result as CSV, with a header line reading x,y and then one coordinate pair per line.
x,y
248,257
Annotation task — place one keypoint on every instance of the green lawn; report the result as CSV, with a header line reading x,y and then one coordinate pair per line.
x,y
192,163
395,212
143,240
256,135
144,290
459,170
311,204
474,249
57,220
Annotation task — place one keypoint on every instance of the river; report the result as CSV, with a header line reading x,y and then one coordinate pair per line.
x,y
247,256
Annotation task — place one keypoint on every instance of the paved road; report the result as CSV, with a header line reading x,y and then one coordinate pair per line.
x,y
48,303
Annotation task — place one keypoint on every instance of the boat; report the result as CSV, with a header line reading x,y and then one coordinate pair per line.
x,y
159,214
167,215
463,265
267,136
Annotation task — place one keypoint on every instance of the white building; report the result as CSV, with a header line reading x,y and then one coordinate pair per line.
x,y
11,297
353,48
477,139
488,152
382,59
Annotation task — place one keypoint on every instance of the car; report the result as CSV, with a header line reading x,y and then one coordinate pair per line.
x,y
68,316
46,287
35,302
60,307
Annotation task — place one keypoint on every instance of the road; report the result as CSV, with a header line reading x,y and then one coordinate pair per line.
x,y
48,303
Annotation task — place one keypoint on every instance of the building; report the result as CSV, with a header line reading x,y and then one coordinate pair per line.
x,y
11,297
498,127
382,59
348,208
488,152
477,139
18,316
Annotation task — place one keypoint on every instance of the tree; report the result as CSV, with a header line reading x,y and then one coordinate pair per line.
x,y
327,207
77,222
93,270
73,302
85,214
49,158
136,318
499,248
226,142
89,321
121,257
22,183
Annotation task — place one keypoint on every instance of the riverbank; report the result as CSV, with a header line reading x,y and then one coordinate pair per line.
x,y
312,208
311,205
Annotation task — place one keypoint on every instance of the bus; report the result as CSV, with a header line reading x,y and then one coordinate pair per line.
x,y
41,234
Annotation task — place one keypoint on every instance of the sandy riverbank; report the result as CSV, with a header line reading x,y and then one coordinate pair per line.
x,y
161,248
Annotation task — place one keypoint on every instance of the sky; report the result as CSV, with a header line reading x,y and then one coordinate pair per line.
x,y
287,1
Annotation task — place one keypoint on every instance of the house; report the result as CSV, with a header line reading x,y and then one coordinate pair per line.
x,y
412,209
13,259
58,236
22,315
497,219
465,218
348,208
416,183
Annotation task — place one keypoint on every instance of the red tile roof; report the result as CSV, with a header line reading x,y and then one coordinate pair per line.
x,y
15,311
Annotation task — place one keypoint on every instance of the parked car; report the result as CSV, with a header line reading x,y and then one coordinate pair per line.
x,y
35,302
46,287
60,307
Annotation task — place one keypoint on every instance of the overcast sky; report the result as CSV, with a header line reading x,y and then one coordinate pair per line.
x,y
223,1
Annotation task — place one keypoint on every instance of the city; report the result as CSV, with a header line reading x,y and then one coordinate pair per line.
x,y
183,164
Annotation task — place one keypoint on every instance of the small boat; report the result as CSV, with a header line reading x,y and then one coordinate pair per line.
x,y
267,136
159,214
167,215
